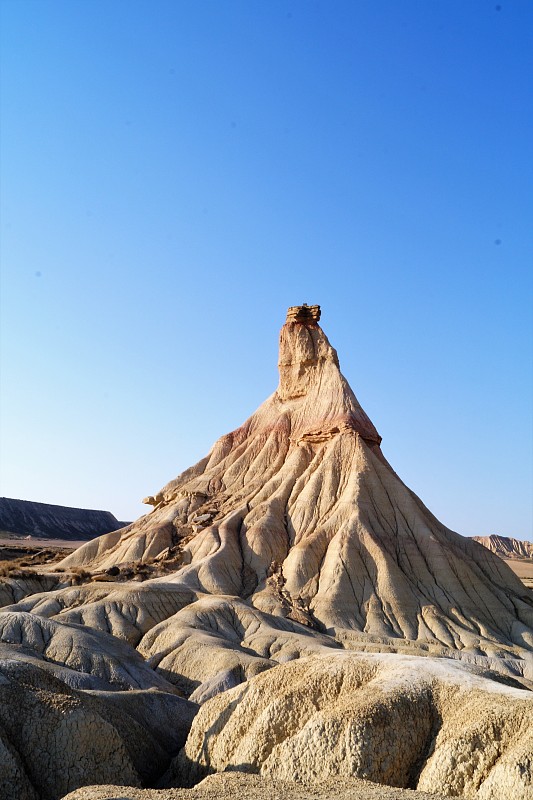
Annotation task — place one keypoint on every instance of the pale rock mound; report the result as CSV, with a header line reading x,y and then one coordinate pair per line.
x,y
99,655
54,739
420,723
126,610
12,590
219,641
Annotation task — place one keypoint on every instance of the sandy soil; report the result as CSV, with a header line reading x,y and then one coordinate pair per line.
x,y
523,568
18,554
236,785
36,544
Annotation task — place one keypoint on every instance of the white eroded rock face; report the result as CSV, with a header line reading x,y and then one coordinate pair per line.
x,y
420,723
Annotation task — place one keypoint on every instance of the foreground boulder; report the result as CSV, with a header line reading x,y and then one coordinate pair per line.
x,y
418,723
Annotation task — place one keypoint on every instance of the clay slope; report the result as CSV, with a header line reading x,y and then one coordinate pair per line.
x,y
409,722
235,785
504,547
299,512
54,739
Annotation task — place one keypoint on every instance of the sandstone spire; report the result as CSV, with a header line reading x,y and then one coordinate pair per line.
x,y
298,512
309,370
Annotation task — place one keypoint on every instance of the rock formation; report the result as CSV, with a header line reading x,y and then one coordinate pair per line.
x,y
54,738
299,513
295,541
45,521
504,547
400,721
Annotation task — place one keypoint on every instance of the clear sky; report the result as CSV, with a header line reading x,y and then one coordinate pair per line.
x,y
175,174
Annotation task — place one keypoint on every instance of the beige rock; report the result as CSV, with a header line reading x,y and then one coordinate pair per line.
x,y
506,547
167,717
292,538
100,655
127,610
305,518
12,590
54,739
408,722
216,640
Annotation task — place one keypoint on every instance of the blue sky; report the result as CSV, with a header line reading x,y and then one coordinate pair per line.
x,y
175,174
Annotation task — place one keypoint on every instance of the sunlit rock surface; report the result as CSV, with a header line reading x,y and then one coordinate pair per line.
x,y
299,513
506,547
420,723
325,622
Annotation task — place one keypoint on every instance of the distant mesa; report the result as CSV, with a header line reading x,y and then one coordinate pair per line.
x,y
46,521
505,547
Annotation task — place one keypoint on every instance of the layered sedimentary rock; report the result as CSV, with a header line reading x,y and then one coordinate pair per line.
x,y
304,595
46,521
505,547
54,738
299,513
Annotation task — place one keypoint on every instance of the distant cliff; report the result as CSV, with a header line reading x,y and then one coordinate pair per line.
x,y
45,521
505,547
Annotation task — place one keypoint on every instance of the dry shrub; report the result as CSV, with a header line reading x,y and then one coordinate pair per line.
x,y
79,575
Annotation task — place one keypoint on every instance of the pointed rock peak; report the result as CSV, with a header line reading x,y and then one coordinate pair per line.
x,y
309,372
303,348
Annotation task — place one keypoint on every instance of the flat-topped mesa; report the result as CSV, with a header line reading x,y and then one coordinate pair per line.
x,y
303,313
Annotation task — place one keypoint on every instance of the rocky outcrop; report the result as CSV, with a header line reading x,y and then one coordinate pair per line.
x,y
54,739
219,640
93,655
14,589
408,722
504,547
45,521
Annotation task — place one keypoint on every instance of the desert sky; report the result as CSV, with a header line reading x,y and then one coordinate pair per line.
x,y
175,174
